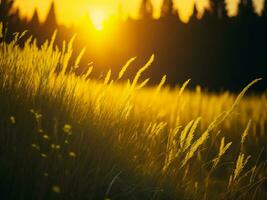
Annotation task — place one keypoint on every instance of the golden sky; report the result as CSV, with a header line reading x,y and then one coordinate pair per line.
x,y
71,11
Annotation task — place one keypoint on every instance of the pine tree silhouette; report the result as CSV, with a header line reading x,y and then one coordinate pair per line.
x,y
214,7
264,12
218,8
146,10
15,17
222,12
176,14
246,9
35,22
194,16
206,14
5,10
51,21
167,8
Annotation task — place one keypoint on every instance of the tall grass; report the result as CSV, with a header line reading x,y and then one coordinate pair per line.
x,y
69,137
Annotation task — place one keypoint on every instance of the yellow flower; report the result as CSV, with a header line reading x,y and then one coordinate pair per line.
x,y
41,131
44,155
13,120
54,146
46,137
56,189
72,154
38,116
67,128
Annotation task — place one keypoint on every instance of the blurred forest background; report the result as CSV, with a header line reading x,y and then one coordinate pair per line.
x,y
216,51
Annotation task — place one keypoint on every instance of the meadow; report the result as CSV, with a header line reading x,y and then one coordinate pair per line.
x,y
64,136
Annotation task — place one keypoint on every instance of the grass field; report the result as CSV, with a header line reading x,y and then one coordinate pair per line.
x,y
69,137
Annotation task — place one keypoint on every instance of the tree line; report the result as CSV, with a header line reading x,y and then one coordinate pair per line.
x,y
215,51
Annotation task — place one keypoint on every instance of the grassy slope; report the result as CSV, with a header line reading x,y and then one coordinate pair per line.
x,y
74,138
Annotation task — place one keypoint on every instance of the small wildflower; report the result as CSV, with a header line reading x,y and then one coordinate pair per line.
x,y
67,128
38,116
66,142
56,189
54,146
41,131
46,137
44,155
46,174
13,120
35,146
72,154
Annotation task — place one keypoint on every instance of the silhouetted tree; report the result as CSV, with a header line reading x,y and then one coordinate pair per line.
x,y
51,21
15,17
218,8
35,22
222,13
146,10
5,10
206,14
246,8
176,14
194,16
214,7
167,8
264,12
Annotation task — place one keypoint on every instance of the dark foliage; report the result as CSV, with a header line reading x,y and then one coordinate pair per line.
x,y
146,10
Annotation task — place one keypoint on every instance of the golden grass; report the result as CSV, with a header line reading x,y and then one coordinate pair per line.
x,y
173,137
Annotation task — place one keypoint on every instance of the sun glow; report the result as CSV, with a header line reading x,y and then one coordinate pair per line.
x,y
98,18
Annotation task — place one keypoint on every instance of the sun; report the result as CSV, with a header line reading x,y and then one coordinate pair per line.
x,y
98,18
